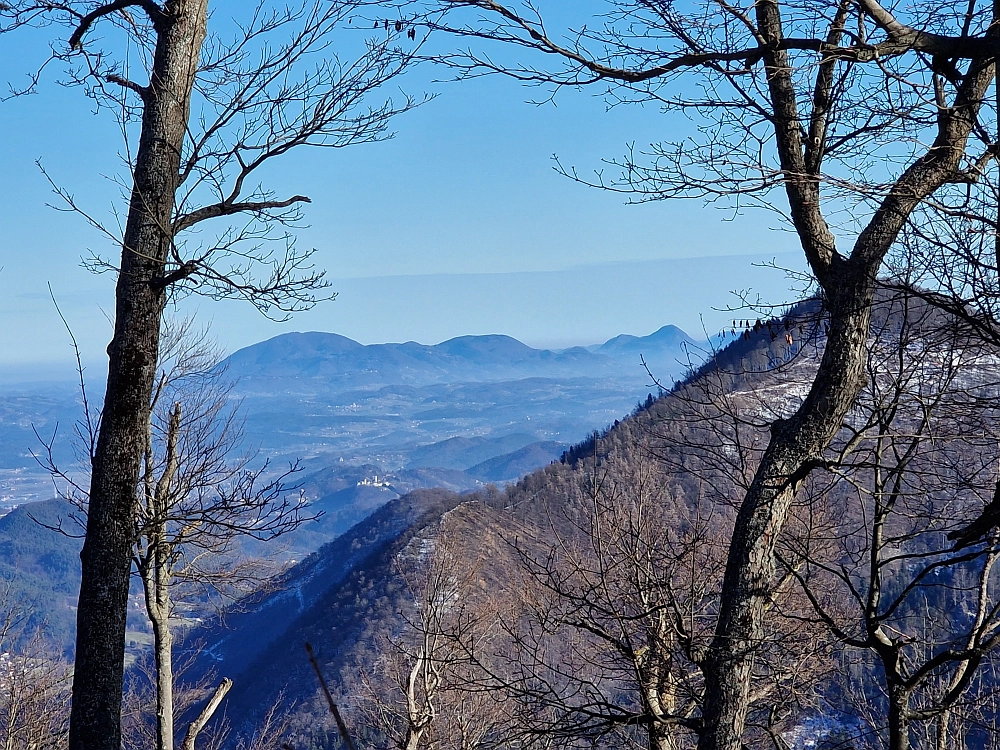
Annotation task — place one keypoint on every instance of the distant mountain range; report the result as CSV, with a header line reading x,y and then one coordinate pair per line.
x,y
322,397
370,424
329,361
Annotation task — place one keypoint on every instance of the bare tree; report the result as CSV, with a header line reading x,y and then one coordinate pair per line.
x,y
273,726
201,494
140,722
199,498
613,632
34,686
414,695
202,114
921,458
201,701
858,113
632,585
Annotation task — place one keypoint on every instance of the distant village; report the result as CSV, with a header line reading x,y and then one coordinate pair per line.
x,y
375,481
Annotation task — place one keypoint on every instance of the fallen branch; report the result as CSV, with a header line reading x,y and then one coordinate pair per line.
x,y
206,713
329,700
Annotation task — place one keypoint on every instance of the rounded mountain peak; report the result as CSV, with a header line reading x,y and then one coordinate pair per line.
x,y
300,348
491,345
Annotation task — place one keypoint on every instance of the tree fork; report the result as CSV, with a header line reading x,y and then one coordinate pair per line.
x,y
849,286
750,565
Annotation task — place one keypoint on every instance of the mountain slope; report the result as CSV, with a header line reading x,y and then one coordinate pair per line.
x,y
358,613
517,463
326,600
465,452
41,567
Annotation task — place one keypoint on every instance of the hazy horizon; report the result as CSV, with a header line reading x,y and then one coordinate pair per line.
x,y
581,305
457,225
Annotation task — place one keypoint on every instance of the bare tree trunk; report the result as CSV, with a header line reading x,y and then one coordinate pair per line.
x,y
848,285
660,737
750,566
162,649
206,714
95,720
413,738
899,725
157,579
420,704
658,692
943,730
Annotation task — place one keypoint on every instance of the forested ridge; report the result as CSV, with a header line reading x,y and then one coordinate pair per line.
x,y
575,606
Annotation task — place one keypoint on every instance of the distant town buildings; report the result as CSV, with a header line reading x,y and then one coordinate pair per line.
x,y
374,481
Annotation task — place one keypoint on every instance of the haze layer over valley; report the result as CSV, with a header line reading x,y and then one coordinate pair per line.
x,y
324,399
367,423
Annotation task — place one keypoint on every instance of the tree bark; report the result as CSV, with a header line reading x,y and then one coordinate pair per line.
x,y
157,577
661,737
899,725
163,654
95,720
413,738
943,734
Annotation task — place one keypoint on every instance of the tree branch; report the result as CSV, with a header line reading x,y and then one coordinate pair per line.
x,y
154,11
227,208
187,269
142,91
904,37
345,735
203,718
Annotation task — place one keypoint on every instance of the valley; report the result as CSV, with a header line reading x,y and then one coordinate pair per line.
x,y
367,424
331,403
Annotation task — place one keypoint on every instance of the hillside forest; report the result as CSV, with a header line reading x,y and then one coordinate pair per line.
x,y
793,545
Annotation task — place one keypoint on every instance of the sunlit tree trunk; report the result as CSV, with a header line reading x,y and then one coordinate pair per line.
x,y
95,721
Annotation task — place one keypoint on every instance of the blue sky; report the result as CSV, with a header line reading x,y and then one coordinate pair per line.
x,y
458,225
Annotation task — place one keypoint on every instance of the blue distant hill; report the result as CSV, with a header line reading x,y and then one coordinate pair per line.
x,y
329,361
667,352
668,337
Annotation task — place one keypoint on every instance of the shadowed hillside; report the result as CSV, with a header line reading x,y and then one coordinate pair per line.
x,y
354,613
543,603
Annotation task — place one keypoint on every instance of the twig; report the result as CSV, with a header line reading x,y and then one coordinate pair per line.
x,y
88,422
